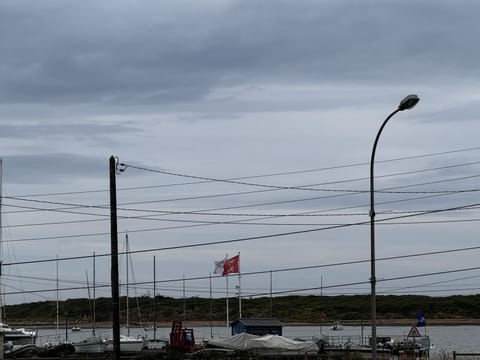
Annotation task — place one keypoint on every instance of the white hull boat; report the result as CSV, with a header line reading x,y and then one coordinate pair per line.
x,y
93,345
128,344
19,336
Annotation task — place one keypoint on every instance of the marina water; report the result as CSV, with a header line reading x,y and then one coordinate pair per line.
x,y
444,339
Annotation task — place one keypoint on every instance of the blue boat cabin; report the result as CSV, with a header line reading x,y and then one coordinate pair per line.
x,y
258,327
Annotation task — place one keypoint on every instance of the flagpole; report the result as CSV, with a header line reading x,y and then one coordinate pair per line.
x,y
211,307
228,322
231,266
239,290
226,281
184,305
271,294
425,325
239,297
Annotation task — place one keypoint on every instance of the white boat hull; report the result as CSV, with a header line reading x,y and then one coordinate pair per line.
x,y
127,344
91,346
18,336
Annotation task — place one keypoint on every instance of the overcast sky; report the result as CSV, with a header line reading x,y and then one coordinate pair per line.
x,y
286,97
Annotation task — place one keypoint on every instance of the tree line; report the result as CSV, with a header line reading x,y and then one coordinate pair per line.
x,y
288,309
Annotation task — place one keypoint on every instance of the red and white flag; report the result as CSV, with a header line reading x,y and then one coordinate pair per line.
x,y
231,265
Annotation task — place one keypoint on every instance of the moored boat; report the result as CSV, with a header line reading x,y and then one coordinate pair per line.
x,y
18,336
128,344
267,345
336,326
92,345
20,351
56,350
155,344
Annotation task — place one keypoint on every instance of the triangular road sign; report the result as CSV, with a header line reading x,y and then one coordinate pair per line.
x,y
414,332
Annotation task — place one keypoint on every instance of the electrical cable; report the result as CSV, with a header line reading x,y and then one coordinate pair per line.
x,y
289,291
266,175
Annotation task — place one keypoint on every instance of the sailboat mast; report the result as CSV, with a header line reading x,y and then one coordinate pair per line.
x,y
154,291
58,319
90,300
94,323
126,260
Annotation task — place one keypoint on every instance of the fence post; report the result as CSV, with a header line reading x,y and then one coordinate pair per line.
x,y
454,355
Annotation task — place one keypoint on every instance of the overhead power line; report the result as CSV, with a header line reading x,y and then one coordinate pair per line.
x,y
276,292
250,273
167,212
236,182
262,216
265,175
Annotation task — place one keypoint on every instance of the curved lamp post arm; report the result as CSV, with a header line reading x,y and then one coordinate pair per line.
x,y
372,162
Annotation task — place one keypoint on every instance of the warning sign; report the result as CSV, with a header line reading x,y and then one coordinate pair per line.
x,y
414,332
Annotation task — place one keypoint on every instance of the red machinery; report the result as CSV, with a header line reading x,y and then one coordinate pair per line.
x,y
181,339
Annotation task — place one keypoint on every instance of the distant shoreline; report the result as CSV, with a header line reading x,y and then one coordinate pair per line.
x,y
187,323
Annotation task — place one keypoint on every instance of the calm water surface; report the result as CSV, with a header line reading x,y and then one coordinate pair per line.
x,y
461,338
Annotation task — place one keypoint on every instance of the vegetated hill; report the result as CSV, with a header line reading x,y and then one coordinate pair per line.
x,y
306,309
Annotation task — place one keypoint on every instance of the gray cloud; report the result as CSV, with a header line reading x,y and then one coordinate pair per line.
x,y
55,168
29,131
161,53
467,111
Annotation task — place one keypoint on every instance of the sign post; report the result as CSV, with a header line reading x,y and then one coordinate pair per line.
x,y
414,333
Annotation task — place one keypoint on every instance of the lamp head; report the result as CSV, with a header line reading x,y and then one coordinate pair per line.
x,y
408,102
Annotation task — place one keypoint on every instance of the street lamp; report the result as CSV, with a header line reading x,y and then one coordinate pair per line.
x,y
407,103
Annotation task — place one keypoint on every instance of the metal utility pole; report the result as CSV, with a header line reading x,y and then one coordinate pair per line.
x,y
2,355
114,261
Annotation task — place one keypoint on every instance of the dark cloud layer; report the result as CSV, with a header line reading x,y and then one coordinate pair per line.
x,y
161,52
